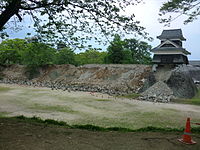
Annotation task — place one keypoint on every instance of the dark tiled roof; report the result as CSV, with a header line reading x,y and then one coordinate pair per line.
x,y
171,34
170,49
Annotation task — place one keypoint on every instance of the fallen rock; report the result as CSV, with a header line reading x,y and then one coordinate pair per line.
x,y
182,84
159,92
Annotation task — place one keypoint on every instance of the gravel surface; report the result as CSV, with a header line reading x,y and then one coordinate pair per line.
x,y
159,92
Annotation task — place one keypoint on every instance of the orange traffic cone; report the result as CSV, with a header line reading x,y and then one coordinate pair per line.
x,y
187,139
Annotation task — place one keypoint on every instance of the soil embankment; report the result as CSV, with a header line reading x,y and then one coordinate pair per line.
x,y
163,85
110,79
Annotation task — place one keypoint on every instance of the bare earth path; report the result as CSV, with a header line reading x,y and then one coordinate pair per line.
x,y
18,135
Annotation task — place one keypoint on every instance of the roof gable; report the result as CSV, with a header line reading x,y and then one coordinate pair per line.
x,y
168,42
172,34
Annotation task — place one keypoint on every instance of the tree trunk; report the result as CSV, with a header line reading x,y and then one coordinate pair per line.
x,y
10,10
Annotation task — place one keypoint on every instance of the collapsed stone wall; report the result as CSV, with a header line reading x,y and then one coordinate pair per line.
x,y
182,84
160,86
159,92
111,79
168,83
193,71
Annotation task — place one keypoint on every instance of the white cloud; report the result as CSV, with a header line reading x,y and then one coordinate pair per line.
x,y
147,14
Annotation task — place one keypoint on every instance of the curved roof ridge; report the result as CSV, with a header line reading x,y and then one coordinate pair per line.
x,y
171,34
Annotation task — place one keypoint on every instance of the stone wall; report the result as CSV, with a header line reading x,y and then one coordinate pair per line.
x,y
168,83
111,79
163,85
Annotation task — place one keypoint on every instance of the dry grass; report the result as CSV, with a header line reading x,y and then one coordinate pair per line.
x,y
99,110
193,101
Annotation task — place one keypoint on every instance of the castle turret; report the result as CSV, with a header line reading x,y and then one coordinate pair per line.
x,y
170,50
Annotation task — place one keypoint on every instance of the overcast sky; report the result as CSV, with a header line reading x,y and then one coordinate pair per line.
x,y
147,14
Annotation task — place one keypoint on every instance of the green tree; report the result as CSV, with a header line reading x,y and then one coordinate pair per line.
x,y
90,56
127,57
11,51
65,56
128,51
140,51
64,18
38,54
189,8
115,51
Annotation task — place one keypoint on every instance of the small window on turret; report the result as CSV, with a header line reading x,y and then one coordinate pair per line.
x,y
167,45
179,43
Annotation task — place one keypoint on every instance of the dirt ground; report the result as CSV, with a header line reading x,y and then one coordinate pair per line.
x,y
95,109
86,108
18,135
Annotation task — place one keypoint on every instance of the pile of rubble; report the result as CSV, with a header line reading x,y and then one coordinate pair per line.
x,y
169,83
67,87
159,92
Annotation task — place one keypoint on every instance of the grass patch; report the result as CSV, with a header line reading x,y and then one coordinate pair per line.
x,y
53,108
133,96
4,89
193,101
39,120
158,129
98,128
3,114
103,100
34,92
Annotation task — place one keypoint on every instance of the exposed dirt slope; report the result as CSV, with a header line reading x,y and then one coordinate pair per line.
x,y
112,79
